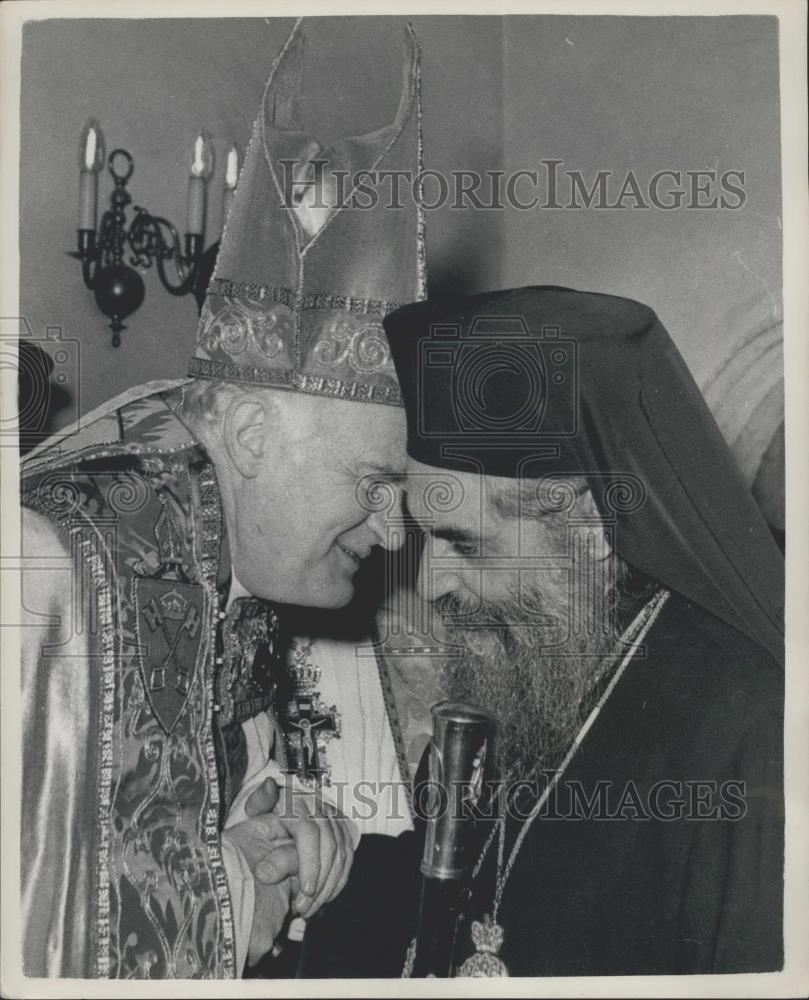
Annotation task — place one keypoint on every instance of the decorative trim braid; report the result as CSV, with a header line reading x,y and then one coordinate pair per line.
x,y
86,550
421,238
317,385
252,290
231,289
207,551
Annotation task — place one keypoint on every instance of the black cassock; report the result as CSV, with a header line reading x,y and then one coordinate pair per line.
x,y
694,730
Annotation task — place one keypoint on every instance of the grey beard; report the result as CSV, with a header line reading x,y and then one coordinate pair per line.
x,y
536,695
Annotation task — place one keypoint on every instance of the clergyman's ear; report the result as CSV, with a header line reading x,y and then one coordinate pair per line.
x,y
246,433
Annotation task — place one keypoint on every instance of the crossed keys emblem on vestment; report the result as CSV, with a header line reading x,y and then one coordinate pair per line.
x,y
169,623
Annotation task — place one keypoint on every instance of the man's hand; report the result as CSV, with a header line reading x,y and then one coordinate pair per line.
x,y
314,847
299,849
270,911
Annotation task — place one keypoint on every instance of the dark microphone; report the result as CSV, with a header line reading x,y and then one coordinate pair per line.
x,y
448,787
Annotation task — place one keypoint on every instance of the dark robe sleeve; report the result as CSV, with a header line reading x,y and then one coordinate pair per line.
x,y
732,905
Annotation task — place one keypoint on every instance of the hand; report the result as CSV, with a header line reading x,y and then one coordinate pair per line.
x,y
293,834
270,911
317,851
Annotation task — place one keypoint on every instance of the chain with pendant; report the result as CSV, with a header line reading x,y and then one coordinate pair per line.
x,y
309,725
487,935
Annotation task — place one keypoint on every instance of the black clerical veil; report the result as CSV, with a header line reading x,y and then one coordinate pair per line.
x,y
542,382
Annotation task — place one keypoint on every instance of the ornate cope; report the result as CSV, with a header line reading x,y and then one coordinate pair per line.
x,y
140,515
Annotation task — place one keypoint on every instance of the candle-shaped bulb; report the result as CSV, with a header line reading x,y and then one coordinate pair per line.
x,y
231,177
202,156
91,147
201,169
91,160
232,168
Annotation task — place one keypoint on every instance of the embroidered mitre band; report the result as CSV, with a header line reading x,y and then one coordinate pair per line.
x,y
301,308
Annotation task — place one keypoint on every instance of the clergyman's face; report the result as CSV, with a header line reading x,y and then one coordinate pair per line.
x,y
511,590
475,552
321,501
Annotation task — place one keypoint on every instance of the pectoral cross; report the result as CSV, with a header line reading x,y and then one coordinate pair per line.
x,y
309,724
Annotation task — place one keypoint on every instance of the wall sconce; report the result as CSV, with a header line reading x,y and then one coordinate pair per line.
x,y
119,289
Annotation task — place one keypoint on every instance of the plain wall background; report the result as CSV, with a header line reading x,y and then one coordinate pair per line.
x,y
648,94
600,93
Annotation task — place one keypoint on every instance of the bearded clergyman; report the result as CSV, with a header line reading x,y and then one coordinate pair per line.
x,y
610,592
161,537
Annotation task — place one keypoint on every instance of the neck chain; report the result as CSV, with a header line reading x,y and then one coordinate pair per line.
x,y
488,936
